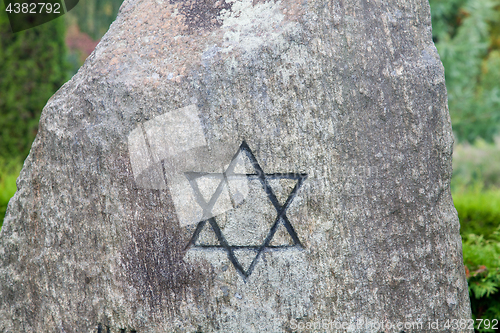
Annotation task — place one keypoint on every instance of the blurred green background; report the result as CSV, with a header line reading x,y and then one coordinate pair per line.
x,y
36,62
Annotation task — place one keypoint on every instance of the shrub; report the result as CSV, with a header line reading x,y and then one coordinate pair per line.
x,y
482,265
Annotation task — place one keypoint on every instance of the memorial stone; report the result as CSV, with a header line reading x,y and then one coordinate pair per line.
x,y
242,166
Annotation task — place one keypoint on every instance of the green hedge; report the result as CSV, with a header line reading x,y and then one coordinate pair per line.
x,y
9,171
478,210
32,67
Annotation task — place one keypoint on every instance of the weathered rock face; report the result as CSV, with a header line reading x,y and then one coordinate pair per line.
x,y
242,166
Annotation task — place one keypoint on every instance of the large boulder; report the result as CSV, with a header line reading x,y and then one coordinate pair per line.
x,y
242,166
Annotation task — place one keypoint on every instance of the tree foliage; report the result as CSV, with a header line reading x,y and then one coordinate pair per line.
x,y
94,16
467,36
32,67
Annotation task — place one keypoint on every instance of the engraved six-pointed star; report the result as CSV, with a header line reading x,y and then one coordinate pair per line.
x,y
234,182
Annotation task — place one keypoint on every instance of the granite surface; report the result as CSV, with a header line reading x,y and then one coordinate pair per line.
x,y
242,166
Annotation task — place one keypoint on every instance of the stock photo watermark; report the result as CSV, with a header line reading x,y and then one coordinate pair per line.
x,y
26,14
377,326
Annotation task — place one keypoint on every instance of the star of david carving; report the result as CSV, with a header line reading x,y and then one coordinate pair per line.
x,y
281,217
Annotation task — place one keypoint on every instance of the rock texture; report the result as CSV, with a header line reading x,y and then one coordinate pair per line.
x,y
336,110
